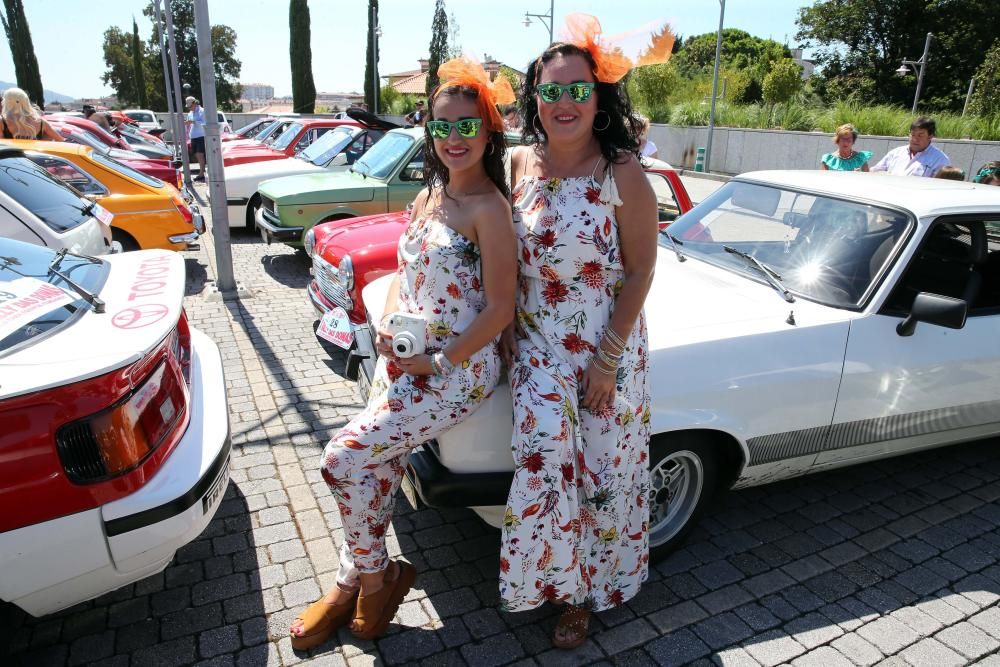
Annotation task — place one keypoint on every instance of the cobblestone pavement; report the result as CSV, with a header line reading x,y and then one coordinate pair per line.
x,y
892,563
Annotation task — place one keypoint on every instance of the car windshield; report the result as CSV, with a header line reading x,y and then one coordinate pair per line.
x,y
252,129
57,205
86,139
274,133
34,309
821,248
114,165
324,149
222,119
140,117
383,157
287,137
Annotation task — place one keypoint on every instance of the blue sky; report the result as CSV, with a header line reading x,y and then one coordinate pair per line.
x,y
68,33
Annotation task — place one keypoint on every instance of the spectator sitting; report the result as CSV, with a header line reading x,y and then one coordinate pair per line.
x,y
22,120
950,172
919,158
845,158
989,174
99,117
417,116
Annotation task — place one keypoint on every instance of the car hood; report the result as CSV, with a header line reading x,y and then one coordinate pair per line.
x,y
359,236
696,302
143,297
321,188
255,172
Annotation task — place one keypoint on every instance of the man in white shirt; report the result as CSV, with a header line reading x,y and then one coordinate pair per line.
x,y
195,123
919,158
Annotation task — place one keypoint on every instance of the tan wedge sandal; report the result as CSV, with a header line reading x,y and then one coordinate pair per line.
x,y
375,611
574,623
320,620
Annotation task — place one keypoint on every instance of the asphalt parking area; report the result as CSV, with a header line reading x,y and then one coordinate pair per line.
x,y
896,562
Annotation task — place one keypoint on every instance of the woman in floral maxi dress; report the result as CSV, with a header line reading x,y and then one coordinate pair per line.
x,y
456,271
575,529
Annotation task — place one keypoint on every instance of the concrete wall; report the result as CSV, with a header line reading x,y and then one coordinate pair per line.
x,y
735,151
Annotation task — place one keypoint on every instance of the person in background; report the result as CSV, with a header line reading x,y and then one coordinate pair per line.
x,y
646,147
99,117
511,118
196,131
845,158
22,120
951,173
920,157
989,174
417,117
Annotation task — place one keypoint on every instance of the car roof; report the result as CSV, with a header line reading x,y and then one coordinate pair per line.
x,y
922,196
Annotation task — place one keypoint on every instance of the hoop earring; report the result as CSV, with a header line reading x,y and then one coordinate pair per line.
x,y
492,149
534,125
606,125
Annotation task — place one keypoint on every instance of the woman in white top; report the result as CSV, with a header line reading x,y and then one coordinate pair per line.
x,y
646,147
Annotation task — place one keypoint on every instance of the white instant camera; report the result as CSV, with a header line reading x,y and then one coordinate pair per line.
x,y
409,333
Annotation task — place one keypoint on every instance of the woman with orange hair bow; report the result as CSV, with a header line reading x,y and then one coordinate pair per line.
x,y
455,285
576,522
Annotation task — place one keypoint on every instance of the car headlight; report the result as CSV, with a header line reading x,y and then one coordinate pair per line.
x,y
310,242
345,273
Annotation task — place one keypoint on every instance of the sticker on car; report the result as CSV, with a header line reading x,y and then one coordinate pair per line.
x,y
336,328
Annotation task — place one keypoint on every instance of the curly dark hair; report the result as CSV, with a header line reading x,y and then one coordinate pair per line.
x,y
624,125
436,174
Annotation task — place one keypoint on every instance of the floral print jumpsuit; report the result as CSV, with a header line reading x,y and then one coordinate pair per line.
x,y
575,528
440,278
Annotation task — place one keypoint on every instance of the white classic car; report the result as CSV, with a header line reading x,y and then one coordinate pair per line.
x,y
798,321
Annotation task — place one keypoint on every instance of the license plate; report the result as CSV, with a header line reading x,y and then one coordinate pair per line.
x,y
214,494
336,328
103,214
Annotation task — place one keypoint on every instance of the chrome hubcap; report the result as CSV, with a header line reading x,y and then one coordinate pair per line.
x,y
675,485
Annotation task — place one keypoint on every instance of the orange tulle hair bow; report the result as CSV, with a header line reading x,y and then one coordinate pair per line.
x,y
464,71
612,54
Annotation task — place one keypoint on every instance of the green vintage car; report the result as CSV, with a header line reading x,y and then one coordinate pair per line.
x,y
385,179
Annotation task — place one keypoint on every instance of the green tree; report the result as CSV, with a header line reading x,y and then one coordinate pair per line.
x,y
22,51
227,65
782,82
120,72
860,44
986,96
300,56
740,51
439,45
371,57
138,68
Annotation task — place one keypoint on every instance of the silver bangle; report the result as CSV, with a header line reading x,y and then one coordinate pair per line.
x,y
442,362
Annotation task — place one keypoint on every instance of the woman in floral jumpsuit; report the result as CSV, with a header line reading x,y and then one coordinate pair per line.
x,y
456,271
575,529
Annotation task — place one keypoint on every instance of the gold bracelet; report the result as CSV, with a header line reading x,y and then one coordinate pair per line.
x,y
612,349
615,338
597,365
606,360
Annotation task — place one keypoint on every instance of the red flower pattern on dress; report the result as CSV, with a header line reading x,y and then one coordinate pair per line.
x,y
533,462
555,292
453,291
573,343
592,274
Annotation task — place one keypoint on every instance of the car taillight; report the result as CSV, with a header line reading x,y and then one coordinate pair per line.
x,y
181,207
180,179
181,346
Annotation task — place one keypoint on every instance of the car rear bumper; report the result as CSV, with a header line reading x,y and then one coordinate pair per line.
x,y
56,564
272,232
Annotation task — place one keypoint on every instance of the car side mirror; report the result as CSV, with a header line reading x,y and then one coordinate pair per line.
x,y
944,311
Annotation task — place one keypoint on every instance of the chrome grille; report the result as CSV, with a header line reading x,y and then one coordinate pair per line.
x,y
326,279
267,204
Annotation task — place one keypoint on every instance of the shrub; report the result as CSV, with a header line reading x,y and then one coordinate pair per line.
x,y
782,82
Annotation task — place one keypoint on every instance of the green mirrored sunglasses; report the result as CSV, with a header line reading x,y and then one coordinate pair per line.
x,y
579,92
468,128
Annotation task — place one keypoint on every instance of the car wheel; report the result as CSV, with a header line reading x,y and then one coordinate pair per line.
x,y
125,239
252,207
683,474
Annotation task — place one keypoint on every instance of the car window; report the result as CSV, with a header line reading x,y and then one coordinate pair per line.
x,y
68,173
276,133
25,282
141,117
383,157
321,151
125,170
667,208
957,257
825,249
222,119
288,136
57,205
414,169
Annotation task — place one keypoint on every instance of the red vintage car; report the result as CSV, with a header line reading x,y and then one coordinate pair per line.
x,y
250,130
349,254
299,134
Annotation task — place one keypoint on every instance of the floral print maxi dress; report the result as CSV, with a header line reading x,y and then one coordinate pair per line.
x,y
440,278
575,528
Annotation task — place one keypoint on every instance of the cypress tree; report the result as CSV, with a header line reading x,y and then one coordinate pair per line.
x,y
15,24
300,57
439,45
371,73
137,68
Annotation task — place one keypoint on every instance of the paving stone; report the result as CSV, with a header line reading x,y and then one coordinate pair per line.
x,y
722,630
495,650
968,640
857,650
773,647
92,648
824,656
677,648
677,616
888,634
166,654
219,641
625,636
931,653
190,621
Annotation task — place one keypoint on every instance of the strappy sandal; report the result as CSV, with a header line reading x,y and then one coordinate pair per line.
x,y
320,620
574,623
373,613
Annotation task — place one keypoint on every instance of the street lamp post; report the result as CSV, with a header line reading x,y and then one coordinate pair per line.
x,y
715,86
542,17
376,31
904,70
178,104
